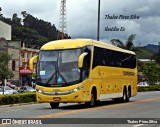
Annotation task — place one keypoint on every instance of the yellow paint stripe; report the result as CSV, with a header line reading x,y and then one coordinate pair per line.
x,y
93,109
3,124
89,109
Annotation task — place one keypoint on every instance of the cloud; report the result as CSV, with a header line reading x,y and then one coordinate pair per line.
x,y
82,17
144,9
150,8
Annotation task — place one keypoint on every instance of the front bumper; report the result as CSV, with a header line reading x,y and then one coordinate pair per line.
x,y
77,96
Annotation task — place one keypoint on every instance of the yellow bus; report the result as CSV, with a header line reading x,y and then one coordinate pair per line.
x,y
84,70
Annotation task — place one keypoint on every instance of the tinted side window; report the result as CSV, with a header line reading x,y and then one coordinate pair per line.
x,y
106,57
97,57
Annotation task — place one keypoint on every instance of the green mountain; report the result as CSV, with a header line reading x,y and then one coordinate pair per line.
x,y
152,47
145,53
32,31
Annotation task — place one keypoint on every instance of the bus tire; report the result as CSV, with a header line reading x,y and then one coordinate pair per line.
x,y
128,95
98,102
124,98
54,105
92,102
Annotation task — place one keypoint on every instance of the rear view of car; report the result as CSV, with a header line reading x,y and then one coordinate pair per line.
x,y
10,90
1,91
143,84
10,85
26,89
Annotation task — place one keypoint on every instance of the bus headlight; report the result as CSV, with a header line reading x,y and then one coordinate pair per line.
x,y
80,87
39,91
76,89
70,91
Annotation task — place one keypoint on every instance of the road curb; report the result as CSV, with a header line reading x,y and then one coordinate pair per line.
x,y
19,104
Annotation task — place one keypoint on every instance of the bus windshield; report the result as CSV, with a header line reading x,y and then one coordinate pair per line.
x,y
58,68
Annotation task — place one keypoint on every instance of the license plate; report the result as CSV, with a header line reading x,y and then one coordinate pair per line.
x,y
56,98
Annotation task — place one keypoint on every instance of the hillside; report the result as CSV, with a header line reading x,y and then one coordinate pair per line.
x,y
145,53
152,47
32,31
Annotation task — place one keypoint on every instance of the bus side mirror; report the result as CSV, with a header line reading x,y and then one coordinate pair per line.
x,y
31,62
81,58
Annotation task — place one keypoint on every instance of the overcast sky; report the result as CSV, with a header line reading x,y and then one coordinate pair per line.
x,y
82,17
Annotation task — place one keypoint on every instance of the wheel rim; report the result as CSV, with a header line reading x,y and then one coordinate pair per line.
x,y
124,96
128,95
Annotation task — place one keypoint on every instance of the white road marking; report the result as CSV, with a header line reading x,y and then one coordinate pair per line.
x,y
138,125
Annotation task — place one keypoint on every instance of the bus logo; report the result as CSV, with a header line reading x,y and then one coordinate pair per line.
x,y
127,73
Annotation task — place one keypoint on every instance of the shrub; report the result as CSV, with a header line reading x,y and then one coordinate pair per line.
x,y
149,88
17,98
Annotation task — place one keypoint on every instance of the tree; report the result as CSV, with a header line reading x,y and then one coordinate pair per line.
x,y
43,28
16,20
125,45
0,9
33,32
24,13
0,12
152,72
5,72
157,55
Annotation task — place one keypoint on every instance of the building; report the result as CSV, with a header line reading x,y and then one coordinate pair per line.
x,y
24,70
20,56
13,49
5,30
145,60
19,63
8,47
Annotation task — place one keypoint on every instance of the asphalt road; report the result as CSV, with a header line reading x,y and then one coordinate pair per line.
x,y
144,105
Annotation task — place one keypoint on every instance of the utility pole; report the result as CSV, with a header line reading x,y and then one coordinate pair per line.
x,y
98,26
62,20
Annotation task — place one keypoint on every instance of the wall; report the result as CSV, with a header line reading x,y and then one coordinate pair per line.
x,y
5,30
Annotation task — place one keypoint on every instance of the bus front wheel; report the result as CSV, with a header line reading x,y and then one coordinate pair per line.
x,y
92,102
54,105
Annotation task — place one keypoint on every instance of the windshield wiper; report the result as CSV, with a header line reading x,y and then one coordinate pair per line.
x,y
50,78
57,74
62,77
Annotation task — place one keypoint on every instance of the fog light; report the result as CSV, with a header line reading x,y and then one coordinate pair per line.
x,y
39,98
75,97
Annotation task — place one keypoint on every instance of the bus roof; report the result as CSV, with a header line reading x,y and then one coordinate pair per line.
x,y
77,43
